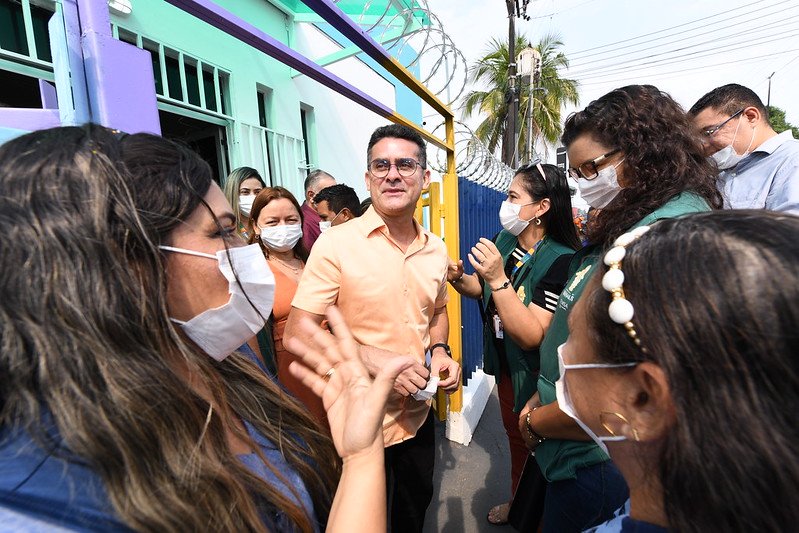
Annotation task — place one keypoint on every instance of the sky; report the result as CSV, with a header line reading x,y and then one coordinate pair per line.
x,y
684,47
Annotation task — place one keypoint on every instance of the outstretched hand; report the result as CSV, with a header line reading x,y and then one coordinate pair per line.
x,y
454,269
332,368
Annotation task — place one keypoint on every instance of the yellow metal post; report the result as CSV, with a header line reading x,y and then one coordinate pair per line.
x,y
449,211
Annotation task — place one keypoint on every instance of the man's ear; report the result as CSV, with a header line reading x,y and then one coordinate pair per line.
x,y
752,115
426,179
346,214
646,408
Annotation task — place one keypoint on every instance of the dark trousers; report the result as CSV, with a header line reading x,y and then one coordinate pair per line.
x,y
409,479
574,505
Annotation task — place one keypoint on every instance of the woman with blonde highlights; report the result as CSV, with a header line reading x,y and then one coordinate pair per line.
x,y
124,404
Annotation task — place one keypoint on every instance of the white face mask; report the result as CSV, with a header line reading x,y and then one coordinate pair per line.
x,y
245,204
509,217
599,191
220,331
727,157
281,238
565,403
325,225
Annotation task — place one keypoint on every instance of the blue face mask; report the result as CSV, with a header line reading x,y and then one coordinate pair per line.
x,y
727,157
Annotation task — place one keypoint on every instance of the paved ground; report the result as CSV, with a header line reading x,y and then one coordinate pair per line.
x,y
469,480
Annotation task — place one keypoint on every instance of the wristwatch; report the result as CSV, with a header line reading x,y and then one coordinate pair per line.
x,y
441,345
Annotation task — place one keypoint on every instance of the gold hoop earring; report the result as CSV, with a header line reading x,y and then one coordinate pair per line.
x,y
537,221
620,417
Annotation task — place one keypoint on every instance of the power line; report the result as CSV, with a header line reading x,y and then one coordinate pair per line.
x,y
770,55
675,27
623,66
768,25
549,15
660,63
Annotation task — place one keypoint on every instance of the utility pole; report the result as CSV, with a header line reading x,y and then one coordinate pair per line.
x,y
529,66
768,98
511,141
516,8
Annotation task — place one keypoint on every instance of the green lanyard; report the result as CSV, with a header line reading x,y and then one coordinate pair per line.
x,y
520,263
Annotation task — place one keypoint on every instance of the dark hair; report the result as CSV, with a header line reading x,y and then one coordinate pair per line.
x,y
558,220
730,357
338,197
313,178
662,155
88,348
263,198
365,205
398,131
729,99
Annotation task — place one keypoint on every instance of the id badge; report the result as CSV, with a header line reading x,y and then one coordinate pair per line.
x,y
498,329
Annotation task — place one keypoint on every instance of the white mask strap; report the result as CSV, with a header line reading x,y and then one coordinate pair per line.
x,y
599,365
188,252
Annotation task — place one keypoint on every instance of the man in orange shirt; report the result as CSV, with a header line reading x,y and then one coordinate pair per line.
x,y
388,275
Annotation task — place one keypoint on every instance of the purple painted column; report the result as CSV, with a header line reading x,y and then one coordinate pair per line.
x,y
119,76
48,95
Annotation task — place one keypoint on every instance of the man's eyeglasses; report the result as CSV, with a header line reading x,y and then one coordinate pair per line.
x,y
588,169
712,131
379,168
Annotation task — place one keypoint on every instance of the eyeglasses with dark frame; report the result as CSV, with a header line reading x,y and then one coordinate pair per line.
x,y
712,131
406,167
588,169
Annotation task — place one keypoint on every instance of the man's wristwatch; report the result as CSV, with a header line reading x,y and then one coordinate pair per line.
x,y
441,345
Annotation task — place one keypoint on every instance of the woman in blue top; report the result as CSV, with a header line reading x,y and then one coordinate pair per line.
x,y
518,276
636,159
683,362
125,293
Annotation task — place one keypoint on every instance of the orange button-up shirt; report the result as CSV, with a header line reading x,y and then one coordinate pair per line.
x,y
387,296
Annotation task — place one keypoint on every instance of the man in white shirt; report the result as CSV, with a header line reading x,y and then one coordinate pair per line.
x,y
759,168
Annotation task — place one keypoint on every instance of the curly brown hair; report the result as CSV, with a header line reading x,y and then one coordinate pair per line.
x,y
662,157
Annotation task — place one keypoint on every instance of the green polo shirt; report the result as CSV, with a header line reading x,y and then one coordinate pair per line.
x,y
522,364
561,459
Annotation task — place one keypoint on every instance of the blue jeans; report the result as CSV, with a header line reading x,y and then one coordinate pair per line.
x,y
574,505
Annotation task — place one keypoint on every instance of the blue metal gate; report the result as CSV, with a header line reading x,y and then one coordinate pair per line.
x,y
479,217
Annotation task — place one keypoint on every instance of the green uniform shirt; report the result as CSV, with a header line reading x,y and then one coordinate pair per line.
x,y
522,364
561,459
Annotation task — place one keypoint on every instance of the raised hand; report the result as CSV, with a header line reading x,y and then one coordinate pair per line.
x,y
333,369
487,261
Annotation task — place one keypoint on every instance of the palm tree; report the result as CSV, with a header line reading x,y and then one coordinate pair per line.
x,y
492,72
